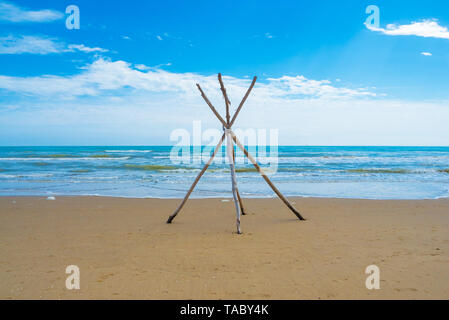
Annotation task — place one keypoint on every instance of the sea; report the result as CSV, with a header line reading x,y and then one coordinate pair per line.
x,y
151,172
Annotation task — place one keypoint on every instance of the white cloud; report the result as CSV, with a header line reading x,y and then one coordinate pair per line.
x,y
40,45
426,54
159,37
268,35
29,44
149,119
83,48
426,28
111,102
143,67
12,13
299,86
104,75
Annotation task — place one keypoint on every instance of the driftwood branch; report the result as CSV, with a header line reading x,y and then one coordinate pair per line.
x,y
237,189
170,219
225,96
230,153
231,138
211,106
279,194
243,101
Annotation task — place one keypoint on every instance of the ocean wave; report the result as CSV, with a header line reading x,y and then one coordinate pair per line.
x,y
151,167
128,151
133,172
363,159
24,175
379,171
64,159
64,156
97,178
8,176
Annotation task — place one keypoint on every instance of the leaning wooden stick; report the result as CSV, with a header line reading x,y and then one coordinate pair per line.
x,y
237,189
229,151
170,219
226,99
227,102
212,107
231,138
250,157
243,101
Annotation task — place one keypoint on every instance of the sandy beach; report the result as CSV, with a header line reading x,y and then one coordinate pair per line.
x,y
125,250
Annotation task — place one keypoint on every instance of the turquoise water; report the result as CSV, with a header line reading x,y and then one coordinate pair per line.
x,y
343,172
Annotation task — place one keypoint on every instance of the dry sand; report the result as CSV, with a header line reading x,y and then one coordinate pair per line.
x,y
125,250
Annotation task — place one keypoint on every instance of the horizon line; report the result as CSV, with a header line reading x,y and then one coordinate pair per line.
x,y
162,145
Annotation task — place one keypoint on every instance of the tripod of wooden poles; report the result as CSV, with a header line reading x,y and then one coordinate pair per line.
x,y
230,140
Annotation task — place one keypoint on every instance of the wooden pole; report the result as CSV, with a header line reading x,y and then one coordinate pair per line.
x,y
212,107
227,102
229,151
238,193
231,138
279,194
243,101
170,219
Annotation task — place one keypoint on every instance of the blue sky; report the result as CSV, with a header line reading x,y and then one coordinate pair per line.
x,y
127,76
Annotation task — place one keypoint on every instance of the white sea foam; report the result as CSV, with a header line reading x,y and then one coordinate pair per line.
x,y
26,175
375,173
64,159
128,151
